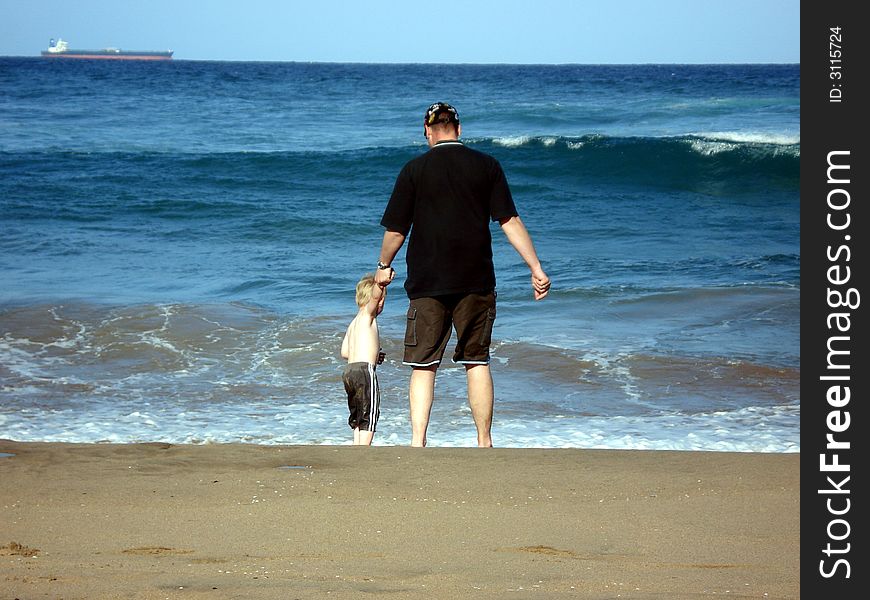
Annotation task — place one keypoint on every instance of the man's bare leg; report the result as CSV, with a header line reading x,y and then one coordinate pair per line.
x,y
480,399
422,392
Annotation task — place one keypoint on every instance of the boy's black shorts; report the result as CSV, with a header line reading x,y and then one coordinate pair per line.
x,y
430,321
363,395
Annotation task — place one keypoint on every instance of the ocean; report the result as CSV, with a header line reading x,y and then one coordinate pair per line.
x,y
180,241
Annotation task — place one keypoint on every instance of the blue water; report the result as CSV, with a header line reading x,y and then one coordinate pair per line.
x,y
179,244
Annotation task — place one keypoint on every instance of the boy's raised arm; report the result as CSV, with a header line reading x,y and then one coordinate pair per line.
x,y
376,303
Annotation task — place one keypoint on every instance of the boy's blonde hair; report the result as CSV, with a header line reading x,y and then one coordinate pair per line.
x,y
364,289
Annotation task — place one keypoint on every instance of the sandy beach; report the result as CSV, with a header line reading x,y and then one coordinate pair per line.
x,y
157,520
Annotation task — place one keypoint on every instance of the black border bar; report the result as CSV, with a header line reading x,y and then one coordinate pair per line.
x,y
834,174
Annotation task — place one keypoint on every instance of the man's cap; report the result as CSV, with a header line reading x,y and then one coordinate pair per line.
x,y
440,112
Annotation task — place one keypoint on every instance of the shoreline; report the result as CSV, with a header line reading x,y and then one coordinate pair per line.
x,y
157,520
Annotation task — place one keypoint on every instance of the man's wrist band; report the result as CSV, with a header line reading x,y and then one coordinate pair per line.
x,y
381,265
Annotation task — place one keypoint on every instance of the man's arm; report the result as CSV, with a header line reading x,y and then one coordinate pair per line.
x,y
390,246
520,239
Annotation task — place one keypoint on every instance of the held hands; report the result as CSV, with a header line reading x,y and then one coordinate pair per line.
x,y
383,277
540,284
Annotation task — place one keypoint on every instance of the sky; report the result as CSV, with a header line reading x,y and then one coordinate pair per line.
x,y
412,31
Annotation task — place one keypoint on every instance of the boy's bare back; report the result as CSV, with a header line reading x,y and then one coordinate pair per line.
x,y
361,341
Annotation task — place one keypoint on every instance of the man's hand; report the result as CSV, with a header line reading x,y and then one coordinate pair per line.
x,y
391,244
383,277
520,239
381,356
540,284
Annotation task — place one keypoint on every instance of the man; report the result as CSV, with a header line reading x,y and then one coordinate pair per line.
x,y
446,199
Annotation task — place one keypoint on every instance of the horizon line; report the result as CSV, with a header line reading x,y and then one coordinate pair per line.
x,y
411,63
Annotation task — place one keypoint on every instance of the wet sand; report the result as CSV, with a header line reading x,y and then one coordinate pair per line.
x,y
147,521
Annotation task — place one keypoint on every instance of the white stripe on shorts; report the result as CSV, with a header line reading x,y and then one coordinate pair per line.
x,y
374,403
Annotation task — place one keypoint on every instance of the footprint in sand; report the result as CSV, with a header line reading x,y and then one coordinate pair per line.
x,y
156,551
16,549
548,550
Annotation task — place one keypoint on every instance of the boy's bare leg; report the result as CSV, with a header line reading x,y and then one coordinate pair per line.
x,y
362,438
480,399
421,394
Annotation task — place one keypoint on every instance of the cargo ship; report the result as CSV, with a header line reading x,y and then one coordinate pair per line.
x,y
61,49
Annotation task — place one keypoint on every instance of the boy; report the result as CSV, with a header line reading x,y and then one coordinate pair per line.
x,y
361,347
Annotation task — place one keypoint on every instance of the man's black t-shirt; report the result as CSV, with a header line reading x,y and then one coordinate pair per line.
x,y
446,198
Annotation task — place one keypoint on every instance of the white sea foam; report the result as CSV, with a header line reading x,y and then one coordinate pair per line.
x,y
751,137
752,429
512,141
251,377
716,143
748,137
